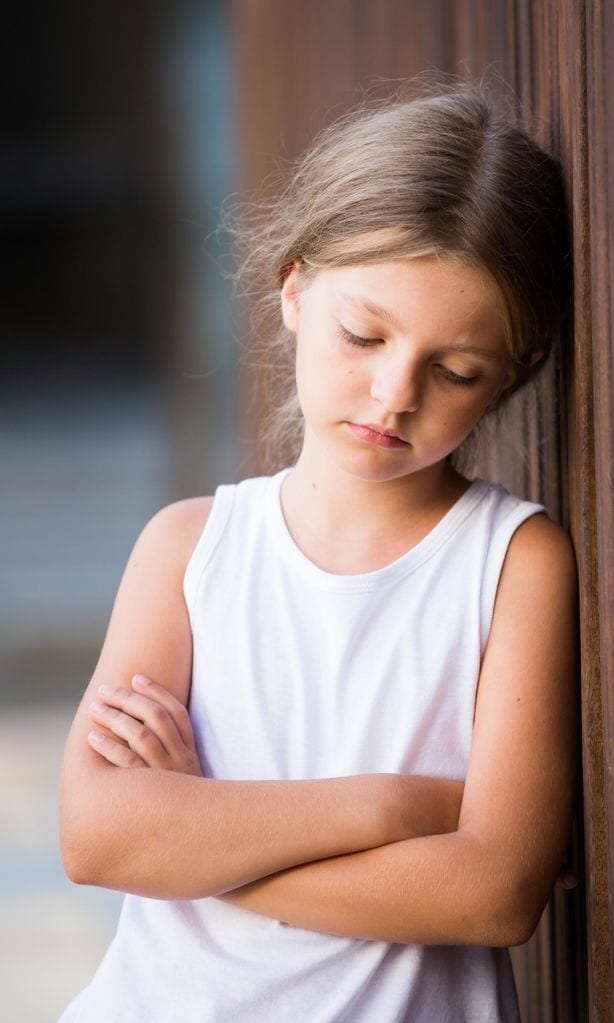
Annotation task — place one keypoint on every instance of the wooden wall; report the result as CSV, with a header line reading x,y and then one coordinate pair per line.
x,y
594,455
297,66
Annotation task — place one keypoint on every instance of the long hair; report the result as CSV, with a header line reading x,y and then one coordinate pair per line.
x,y
443,176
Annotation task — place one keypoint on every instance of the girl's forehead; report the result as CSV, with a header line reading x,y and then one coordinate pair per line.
x,y
399,289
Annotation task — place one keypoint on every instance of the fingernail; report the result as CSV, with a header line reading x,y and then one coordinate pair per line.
x,y
96,737
98,708
106,690
142,680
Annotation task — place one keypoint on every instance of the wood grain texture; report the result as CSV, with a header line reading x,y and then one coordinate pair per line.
x,y
578,155
600,129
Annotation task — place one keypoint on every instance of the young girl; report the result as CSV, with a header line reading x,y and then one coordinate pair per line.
x,y
328,749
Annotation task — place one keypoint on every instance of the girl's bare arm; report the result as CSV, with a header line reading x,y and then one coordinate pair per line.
x,y
166,834
488,882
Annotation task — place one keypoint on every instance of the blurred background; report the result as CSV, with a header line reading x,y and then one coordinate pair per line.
x,y
124,382
119,393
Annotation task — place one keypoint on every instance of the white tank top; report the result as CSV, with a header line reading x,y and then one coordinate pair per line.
x,y
300,673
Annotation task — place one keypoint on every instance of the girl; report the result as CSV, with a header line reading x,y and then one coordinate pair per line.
x,y
328,748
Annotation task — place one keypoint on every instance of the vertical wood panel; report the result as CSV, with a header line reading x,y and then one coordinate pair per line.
x,y
600,105
583,491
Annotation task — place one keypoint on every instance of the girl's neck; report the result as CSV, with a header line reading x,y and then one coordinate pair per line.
x,y
348,525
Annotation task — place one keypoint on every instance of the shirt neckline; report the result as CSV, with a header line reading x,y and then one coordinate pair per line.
x,y
365,581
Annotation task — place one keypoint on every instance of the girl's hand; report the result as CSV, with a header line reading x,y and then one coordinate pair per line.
x,y
153,727
567,878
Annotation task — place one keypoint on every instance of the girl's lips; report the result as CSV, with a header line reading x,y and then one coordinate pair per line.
x,y
374,435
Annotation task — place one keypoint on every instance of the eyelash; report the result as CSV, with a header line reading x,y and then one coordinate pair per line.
x,y
456,378
358,342
369,342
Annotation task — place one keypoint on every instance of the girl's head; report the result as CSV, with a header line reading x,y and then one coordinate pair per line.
x,y
444,177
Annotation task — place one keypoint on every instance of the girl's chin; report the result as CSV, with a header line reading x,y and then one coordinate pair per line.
x,y
379,470
385,465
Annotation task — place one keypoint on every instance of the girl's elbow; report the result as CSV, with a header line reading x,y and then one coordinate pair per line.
x,y
79,864
523,923
515,930
508,895
90,829
514,920
86,854
76,868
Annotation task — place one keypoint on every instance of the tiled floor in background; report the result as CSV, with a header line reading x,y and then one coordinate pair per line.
x,y
53,934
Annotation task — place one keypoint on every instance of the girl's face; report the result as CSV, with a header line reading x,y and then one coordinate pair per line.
x,y
396,362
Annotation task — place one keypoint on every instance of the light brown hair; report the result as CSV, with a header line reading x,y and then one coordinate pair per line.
x,y
444,175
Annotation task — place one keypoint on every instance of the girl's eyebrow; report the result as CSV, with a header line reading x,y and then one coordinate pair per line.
x,y
372,307
472,350
385,314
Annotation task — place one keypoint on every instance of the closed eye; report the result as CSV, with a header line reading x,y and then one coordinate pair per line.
x,y
456,378
356,340
369,342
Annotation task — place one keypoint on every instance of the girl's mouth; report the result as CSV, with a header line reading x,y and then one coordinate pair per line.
x,y
375,435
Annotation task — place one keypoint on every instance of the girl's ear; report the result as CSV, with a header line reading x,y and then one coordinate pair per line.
x,y
290,295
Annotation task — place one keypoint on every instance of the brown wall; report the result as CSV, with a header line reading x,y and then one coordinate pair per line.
x,y
299,65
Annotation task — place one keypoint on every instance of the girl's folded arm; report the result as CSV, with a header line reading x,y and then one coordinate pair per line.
x,y
174,835
488,882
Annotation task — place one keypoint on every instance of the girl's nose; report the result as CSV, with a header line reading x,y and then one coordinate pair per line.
x,y
397,387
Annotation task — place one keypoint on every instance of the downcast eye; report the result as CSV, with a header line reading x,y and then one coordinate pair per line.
x,y
356,340
456,378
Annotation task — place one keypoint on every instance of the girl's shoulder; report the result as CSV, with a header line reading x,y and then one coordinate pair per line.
x,y
176,530
539,560
545,541
530,550
536,533
173,532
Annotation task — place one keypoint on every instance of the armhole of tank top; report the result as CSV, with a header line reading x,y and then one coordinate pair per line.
x,y
494,563
207,542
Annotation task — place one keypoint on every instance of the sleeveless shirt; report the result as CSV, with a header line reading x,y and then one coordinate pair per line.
x,y
300,673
